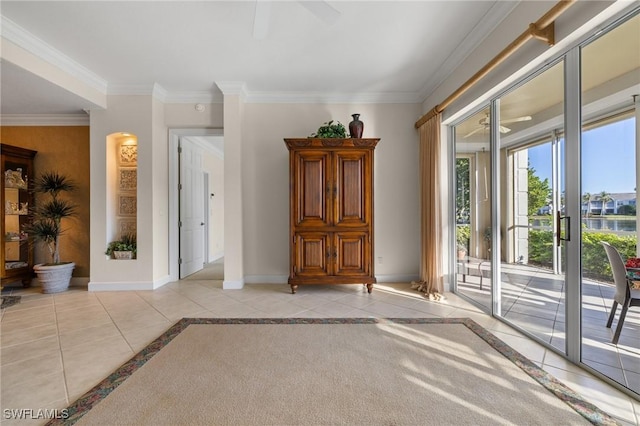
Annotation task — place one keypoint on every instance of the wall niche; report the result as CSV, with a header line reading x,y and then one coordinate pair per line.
x,y
122,187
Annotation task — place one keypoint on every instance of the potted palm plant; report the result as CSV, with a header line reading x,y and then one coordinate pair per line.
x,y
46,227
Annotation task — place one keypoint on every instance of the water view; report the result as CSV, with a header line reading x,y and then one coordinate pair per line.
x,y
612,224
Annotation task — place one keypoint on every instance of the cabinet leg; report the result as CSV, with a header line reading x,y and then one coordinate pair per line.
x,y
294,288
26,283
369,288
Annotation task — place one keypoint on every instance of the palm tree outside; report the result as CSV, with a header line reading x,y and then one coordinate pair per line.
x,y
605,197
586,198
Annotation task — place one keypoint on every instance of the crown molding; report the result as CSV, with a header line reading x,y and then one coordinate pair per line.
x,y
27,41
333,98
44,119
155,90
165,96
237,88
494,16
131,89
159,92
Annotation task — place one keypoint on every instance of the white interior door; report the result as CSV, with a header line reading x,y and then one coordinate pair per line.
x,y
191,209
206,210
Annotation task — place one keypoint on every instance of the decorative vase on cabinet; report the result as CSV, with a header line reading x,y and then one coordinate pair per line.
x,y
331,211
356,127
16,250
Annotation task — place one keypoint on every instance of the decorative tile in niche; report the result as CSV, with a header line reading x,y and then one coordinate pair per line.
x,y
127,205
128,178
127,226
128,155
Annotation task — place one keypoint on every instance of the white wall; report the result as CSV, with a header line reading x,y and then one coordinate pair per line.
x,y
266,183
186,116
149,119
214,166
160,209
234,188
130,114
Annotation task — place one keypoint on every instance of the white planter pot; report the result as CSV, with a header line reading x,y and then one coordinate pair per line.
x,y
123,255
54,278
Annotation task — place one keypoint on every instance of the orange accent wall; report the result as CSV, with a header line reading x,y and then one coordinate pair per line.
x,y
66,150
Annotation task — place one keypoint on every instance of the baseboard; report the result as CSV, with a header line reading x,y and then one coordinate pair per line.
x,y
232,284
216,256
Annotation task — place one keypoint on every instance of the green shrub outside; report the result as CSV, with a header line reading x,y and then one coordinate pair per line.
x,y
594,259
463,233
541,248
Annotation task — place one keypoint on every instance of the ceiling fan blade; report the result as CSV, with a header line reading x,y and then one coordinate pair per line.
x,y
478,129
323,10
261,19
504,129
516,120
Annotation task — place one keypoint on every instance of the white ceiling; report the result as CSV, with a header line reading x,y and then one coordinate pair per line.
x,y
381,51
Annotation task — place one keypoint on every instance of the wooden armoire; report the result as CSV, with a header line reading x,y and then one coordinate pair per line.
x,y
331,211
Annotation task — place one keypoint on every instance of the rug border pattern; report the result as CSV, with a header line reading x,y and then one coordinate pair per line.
x,y
85,403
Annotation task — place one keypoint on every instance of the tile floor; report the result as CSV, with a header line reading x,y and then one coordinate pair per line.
x,y
56,347
534,300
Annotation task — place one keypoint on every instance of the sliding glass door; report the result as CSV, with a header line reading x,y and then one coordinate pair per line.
x,y
532,211
546,174
473,208
533,279
609,150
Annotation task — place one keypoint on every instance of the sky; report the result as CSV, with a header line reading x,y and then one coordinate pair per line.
x,y
608,158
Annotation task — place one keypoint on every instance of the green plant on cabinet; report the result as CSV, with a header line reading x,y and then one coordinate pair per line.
x,y
331,130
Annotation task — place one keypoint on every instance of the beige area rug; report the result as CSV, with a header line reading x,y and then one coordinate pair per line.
x,y
330,372
211,271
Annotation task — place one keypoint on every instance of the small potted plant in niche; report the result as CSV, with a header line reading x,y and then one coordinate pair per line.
x,y
46,227
123,249
330,130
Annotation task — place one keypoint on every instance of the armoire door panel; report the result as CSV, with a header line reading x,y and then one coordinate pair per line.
x,y
313,255
311,186
352,253
353,188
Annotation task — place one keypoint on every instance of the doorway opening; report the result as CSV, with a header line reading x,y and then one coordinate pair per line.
x,y
196,204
